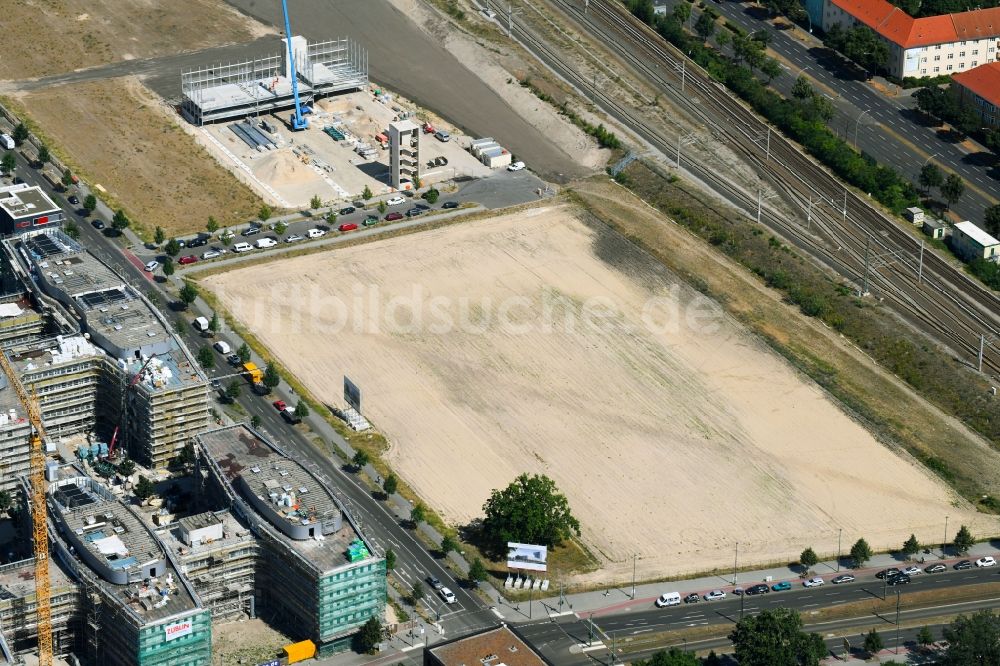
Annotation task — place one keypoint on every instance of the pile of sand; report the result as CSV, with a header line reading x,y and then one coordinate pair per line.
x,y
282,167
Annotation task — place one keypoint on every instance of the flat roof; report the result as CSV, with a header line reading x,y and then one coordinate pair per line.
x,y
234,532
494,647
976,234
17,579
265,91
26,202
240,453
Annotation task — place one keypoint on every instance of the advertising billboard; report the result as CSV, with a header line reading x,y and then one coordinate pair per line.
x,y
178,629
526,556
352,394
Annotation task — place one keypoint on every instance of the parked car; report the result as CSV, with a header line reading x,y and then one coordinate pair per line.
x,y
986,561
737,591
197,242
222,347
447,595
843,578
668,599
190,259
290,416
315,233
279,405
434,582
392,217
233,360
885,573
242,247
350,226
692,598
759,588
264,243
74,200
97,224
813,582
715,595
901,579
294,238
515,166
395,201
783,585
252,230
413,212
152,266
936,568
449,204
964,564
347,210
369,221
211,254
912,570
442,136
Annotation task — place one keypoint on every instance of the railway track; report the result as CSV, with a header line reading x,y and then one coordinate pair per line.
x,y
846,233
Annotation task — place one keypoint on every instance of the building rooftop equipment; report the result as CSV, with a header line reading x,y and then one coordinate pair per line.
x,y
976,234
493,647
289,497
116,546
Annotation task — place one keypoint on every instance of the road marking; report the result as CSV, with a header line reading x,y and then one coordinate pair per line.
x,y
411,647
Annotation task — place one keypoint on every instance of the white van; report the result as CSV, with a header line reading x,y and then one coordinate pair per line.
x,y
222,347
266,243
200,324
668,599
7,141
242,247
315,233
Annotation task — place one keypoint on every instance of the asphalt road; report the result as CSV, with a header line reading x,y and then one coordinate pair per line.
x,y
414,562
886,127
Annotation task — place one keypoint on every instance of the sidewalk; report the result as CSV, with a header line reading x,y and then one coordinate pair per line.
x,y
618,599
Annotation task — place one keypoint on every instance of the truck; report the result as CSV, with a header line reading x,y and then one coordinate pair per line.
x,y
253,374
53,179
201,324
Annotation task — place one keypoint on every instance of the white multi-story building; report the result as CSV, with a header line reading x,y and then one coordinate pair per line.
x,y
930,46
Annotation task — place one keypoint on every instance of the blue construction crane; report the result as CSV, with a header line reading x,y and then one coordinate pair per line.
x,y
298,121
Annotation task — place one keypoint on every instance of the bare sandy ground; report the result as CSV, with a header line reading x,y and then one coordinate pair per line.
x,y
536,342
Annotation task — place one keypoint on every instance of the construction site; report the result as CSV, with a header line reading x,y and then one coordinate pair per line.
x,y
94,377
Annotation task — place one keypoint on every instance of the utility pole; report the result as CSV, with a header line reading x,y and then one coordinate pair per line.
x,y
736,559
633,575
586,6
510,19
809,214
845,205
896,651
683,140
682,68
920,265
982,343
868,247
531,591
944,542
840,532
590,638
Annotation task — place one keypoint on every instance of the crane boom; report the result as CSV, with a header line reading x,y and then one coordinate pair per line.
x,y
43,587
298,122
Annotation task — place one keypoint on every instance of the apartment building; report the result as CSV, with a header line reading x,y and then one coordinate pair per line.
x,y
979,88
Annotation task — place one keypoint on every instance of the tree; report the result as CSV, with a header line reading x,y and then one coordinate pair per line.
x,y
9,162
673,656
991,220
705,26
173,248
44,156
431,195
188,293
264,212
529,510
953,189
233,390
390,484
873,642
187,456
417,183
67,177
775,637
368,638
206,358
963,540
911,547
973,640
382,207
280,228
243,351
931,176
159,235
331,218
808,558
120,221
71,229
255,422
448,544
802,89
771,69
271,377
861,552
359,460
89,203
20,134
418,513
143,488
212,226
417,593
168,267
315,202
6,501
367,194
302,409
925,637
214,324
682,12
390,559
126,467
478,572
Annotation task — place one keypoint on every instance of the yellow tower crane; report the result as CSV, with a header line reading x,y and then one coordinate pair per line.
x,y
43,586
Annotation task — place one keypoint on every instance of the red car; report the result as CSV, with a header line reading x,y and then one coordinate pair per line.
x,y
350,226
392,217
279,405
190,259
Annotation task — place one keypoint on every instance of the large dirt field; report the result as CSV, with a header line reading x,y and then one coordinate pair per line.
x,y
118,134
543,342
97,32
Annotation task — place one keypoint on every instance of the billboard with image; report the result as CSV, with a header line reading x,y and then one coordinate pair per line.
x,y
526,556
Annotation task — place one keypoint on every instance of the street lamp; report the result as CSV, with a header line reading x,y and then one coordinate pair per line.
x,y
840,532
856,123
736,559
929,159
